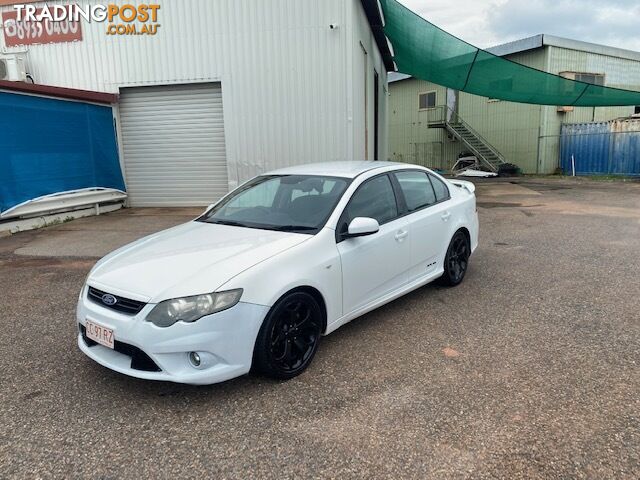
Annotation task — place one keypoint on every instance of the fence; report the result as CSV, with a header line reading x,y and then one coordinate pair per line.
x,y
604,148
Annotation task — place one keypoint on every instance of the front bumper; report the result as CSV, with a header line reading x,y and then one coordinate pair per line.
x,y
224,341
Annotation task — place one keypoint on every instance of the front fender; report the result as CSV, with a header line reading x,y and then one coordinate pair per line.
x,y
314,263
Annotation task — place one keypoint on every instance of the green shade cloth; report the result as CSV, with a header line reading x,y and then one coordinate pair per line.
x,y
424,51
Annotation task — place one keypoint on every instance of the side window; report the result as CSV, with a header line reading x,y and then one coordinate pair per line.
x,y
374,199
442,191
417,189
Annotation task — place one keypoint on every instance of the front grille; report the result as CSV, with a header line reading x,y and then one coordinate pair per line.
x,y
139,359
123,305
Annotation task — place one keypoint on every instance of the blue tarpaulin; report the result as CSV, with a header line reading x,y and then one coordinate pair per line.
x,y
50,146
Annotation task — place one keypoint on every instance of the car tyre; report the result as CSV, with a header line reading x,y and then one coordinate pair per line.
x,y
456,261
289,336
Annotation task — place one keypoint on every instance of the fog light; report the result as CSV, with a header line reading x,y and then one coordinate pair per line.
x,y
194,358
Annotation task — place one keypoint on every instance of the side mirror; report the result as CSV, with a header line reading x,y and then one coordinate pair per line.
x,y
362,226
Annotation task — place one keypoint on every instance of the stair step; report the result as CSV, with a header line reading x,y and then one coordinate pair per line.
x,y
485,153
482,149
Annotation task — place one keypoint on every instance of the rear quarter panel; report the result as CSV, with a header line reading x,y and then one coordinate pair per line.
x,y
465,214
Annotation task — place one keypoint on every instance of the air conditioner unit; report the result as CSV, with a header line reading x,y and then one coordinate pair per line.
x,y
12,68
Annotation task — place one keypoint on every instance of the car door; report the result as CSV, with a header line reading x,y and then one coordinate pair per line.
x,y
375,265
428,219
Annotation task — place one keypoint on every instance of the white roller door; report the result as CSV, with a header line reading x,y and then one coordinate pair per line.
x,y
173,145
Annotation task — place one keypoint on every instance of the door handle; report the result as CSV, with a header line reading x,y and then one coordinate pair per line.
x,y
401,235
446,216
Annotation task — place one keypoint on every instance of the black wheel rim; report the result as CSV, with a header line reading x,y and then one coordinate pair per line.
x,y
295,335
458,258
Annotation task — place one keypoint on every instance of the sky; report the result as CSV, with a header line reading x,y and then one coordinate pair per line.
x,y
486,23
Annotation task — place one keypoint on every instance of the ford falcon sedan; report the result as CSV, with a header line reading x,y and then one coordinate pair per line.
x,y
288,257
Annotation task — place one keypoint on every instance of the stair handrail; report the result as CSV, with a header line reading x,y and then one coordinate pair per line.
x,y
439,113
461,121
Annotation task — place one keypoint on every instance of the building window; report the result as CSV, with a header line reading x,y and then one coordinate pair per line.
x,y
636,111
426,100
592,78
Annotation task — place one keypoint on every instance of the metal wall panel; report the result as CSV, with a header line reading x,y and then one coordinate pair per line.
x,y
601,148
365,60
410,138
625,158
173,144
587,146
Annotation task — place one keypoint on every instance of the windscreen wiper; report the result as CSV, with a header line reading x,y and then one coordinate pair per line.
x,y
230,223
292,228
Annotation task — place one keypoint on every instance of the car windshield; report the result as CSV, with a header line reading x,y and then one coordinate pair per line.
x,y
296,203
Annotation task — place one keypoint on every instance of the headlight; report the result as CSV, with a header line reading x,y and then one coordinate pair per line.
x,y
190,309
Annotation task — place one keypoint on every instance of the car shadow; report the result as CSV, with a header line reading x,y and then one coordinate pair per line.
x,y
331,348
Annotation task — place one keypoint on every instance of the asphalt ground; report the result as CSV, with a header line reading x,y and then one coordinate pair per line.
x,y
527,370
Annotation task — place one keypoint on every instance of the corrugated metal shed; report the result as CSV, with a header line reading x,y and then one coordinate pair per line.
x,y
294,90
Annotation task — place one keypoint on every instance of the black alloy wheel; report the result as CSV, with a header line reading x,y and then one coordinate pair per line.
x,y
457,260
289,336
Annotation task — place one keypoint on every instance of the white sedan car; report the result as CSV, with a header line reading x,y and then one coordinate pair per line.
x,y
286,258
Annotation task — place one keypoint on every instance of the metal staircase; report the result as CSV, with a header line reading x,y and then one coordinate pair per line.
x,y
487,154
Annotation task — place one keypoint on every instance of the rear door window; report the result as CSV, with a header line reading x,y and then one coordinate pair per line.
x,y
417,190
441,189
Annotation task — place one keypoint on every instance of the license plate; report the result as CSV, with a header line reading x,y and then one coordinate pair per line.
x,y
100,334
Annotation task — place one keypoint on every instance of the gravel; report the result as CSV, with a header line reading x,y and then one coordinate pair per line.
x,y
527,370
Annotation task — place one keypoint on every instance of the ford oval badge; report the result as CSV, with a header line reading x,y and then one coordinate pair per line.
x,y
109,299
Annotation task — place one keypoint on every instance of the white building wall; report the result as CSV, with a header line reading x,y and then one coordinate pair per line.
x,y
288,91
366,59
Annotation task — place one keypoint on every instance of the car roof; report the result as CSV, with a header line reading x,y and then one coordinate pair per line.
x,y
345,169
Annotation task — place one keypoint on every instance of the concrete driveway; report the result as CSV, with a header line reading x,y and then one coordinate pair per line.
x,y
530,369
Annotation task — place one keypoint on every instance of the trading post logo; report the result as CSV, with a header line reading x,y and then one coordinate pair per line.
x,y
28,24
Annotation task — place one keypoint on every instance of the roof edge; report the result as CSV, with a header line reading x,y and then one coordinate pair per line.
x,y
59,92
517,46
542,40
374,14
397,77
554,41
